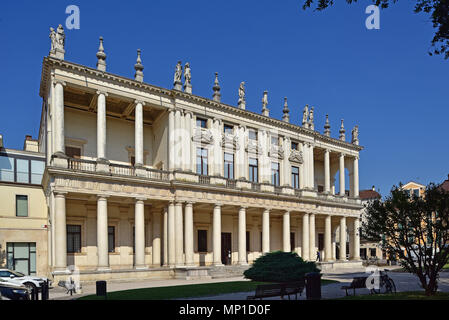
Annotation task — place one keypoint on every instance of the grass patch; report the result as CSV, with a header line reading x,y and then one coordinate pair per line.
x,y
409,295
446,266
186,291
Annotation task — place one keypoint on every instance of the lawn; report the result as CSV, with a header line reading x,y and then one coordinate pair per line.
x,y
410,295
187,291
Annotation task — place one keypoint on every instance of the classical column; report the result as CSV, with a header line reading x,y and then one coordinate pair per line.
x,y
188,233
356,238
59,118
311,168
342,238
266,231
305,237
216,242
287,168
177,140
342,174
179,241
312,251
187,138
60,232
328,238
171,139
242,236
138,133
102,233
101,126
165,236
156,238
286,232
302,168
356,177
327,176
139,233
171,234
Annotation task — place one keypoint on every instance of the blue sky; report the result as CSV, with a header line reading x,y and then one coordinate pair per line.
x,y
383,80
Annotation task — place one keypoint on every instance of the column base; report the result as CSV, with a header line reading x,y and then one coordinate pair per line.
x,y
218,264
61,270
103,269
141,267
243,263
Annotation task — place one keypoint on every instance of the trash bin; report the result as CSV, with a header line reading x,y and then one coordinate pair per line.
x,y
313,286
101,288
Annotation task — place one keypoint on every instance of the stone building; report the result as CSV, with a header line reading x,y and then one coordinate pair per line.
x,y
159,182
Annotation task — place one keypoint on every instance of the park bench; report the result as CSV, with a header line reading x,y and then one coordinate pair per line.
x,y
278,290
357,283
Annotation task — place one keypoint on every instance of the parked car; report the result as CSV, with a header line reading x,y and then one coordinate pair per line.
x,y
13,291
31,282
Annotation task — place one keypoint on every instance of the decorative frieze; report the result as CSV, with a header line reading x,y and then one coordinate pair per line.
x,y
276,152
296,156
203,136
230,141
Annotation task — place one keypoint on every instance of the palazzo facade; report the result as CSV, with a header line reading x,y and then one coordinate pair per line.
x,y
143,178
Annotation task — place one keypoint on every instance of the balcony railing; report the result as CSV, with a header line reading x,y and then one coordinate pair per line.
x,y
82,165
232,184
122,170
203,179
157,174
255,186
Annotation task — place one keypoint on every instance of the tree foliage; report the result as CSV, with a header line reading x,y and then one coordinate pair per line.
x,y
437,9
414,229
279,266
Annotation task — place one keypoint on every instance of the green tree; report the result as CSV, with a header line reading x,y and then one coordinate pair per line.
x,y
437,9
414,229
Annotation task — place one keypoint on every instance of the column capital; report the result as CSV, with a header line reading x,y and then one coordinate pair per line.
x,y
102,92
218,205
188,113
179,203
139,199
243,207
138,101
342,154
58,81
189,203
327,150
102,196
60,194
215,119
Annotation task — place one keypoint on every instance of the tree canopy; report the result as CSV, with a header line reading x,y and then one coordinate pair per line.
x,y
413,229
437,9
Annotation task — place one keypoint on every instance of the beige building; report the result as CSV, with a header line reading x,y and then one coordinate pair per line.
x,y
143,181
23,210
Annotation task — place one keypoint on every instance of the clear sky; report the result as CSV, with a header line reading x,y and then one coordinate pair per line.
x,y
383,80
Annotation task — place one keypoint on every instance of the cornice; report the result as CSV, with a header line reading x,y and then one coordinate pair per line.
x,y
49,63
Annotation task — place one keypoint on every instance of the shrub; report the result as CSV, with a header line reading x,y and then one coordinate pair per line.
x,y
279,266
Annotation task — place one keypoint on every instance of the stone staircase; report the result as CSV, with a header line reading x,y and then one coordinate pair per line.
x,y
217,272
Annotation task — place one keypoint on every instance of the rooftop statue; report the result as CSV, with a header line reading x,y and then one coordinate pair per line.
x,y
355,135
178,76
242,102
305,116
187,74
57,42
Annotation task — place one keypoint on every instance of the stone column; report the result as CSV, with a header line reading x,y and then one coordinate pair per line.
x,y
286,232
102,233
59,118
60,232
266,231
356,177
138,137
101,127
188,233
305,237
171,234
179,241
177,140
342,238
165,236
327,176
156,238
187,138
302,168
287,168
312,251
342,174
356,238
311,168
171,139
139,234
242,236
328,238
216,242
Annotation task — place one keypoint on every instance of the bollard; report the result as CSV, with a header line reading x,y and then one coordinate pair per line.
x,y
101,289
313,286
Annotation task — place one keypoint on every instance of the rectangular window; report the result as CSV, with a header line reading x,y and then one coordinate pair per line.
x,y
253,170
295,177
201,161
73,238
416,192
73,152
202,240
111,239
201,123
229,165
320,241
6,169
321,189
252,135
294,145
275,176
292,241
373,252
248,246
21,206
37,171
228,128
21,257
22,171
275,141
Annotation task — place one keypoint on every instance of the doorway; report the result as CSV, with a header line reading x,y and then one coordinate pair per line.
x,y
226,248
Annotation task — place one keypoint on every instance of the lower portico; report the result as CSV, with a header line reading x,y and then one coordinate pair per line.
x,y
165,230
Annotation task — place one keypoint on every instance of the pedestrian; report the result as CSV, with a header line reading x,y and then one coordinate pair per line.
x,y
318,256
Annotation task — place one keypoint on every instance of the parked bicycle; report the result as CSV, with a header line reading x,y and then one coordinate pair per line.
x,y
386,284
